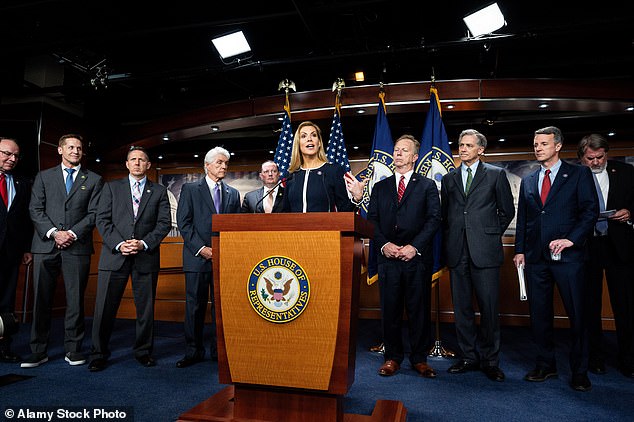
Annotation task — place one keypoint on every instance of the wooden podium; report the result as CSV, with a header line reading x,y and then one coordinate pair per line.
x,y
287,290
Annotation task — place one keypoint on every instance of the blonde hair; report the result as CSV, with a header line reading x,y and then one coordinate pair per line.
x,y
296,156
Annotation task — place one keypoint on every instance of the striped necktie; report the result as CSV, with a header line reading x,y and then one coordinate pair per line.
x,y
136,197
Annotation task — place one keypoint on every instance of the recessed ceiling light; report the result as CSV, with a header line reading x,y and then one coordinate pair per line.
x,y
501,140
215,128
450,142
355,147
543,105
280,118
166,138
360,111
630,108
611,133
98,160
271,152
450,106
232,153
160,157
195,155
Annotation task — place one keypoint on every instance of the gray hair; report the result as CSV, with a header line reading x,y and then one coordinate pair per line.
x,y
593,141
551,130
482,140
214,152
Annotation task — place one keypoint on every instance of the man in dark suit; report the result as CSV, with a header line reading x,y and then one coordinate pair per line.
x,y
556,213
133,218
477,207
611,250
15,234
253,201
63,207
405,210
196,207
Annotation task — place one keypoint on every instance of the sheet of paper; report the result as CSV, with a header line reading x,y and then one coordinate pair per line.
x,y
522,282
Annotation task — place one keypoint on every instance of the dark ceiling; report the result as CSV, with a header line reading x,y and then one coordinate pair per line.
x,y
158,61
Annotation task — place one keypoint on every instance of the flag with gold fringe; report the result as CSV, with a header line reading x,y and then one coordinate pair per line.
x,y
284,148
435,160
380,166
336,151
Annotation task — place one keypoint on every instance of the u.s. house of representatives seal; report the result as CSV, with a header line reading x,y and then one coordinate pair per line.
x,y
278,289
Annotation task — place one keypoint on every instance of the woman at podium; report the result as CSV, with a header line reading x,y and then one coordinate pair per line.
x,y
313,184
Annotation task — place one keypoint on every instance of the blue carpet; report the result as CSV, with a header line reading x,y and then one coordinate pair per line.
x,y
164,392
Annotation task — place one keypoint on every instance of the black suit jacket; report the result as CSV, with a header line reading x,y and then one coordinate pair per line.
x,y
116,224
253,202
570,211
481,217
413,221
15,225
621,195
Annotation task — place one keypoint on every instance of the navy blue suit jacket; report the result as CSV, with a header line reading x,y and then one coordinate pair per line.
x,y
414,221
194,215
570,212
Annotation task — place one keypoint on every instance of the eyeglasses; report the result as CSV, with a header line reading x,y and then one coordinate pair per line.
x,y
9,154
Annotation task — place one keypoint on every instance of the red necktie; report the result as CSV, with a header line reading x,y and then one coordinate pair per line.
x,y
401,188
545,186
3,190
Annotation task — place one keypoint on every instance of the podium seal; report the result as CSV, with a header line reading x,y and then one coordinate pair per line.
x,y
278,289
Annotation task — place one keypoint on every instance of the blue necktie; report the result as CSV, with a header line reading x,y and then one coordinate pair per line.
x,y
217,197
69,180
601,225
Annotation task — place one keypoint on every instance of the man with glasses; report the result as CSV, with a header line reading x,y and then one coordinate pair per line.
x,y
15,234
268,198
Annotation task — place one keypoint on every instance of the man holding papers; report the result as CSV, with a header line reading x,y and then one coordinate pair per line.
x,y
611,250
556,213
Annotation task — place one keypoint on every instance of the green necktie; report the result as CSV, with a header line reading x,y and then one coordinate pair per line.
x,y
469,180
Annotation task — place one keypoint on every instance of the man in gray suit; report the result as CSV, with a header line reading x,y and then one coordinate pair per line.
x,y
63,207
477,207
256,202
198,203
133,218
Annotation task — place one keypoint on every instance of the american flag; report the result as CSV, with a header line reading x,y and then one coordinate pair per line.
x,y
336,151
284,143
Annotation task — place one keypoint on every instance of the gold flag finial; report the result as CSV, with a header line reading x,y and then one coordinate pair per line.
x,y
286,85
338,86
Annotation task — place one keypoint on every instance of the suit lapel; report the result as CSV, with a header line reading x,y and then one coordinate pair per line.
x,y
148,190
457,179
279,200
203,189
79,181
533,189
259,201
126,190
614,190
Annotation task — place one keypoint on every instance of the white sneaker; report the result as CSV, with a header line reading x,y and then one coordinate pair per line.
x,y
34,360
75,358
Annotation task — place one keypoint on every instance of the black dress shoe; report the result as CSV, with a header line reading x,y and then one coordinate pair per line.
x,y
627,370
580,382
98,364
597,367
540,374
146,360
9,357
463,366
494,373
188,361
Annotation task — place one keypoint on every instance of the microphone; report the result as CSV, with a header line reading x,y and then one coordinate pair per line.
x,y
277,185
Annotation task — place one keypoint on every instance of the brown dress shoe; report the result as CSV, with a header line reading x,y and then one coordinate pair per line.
x,y
379,348
389,367
425,370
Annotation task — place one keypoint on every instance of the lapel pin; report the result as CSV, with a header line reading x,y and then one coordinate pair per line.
x,y
148,191
565,174
83,177
82,187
